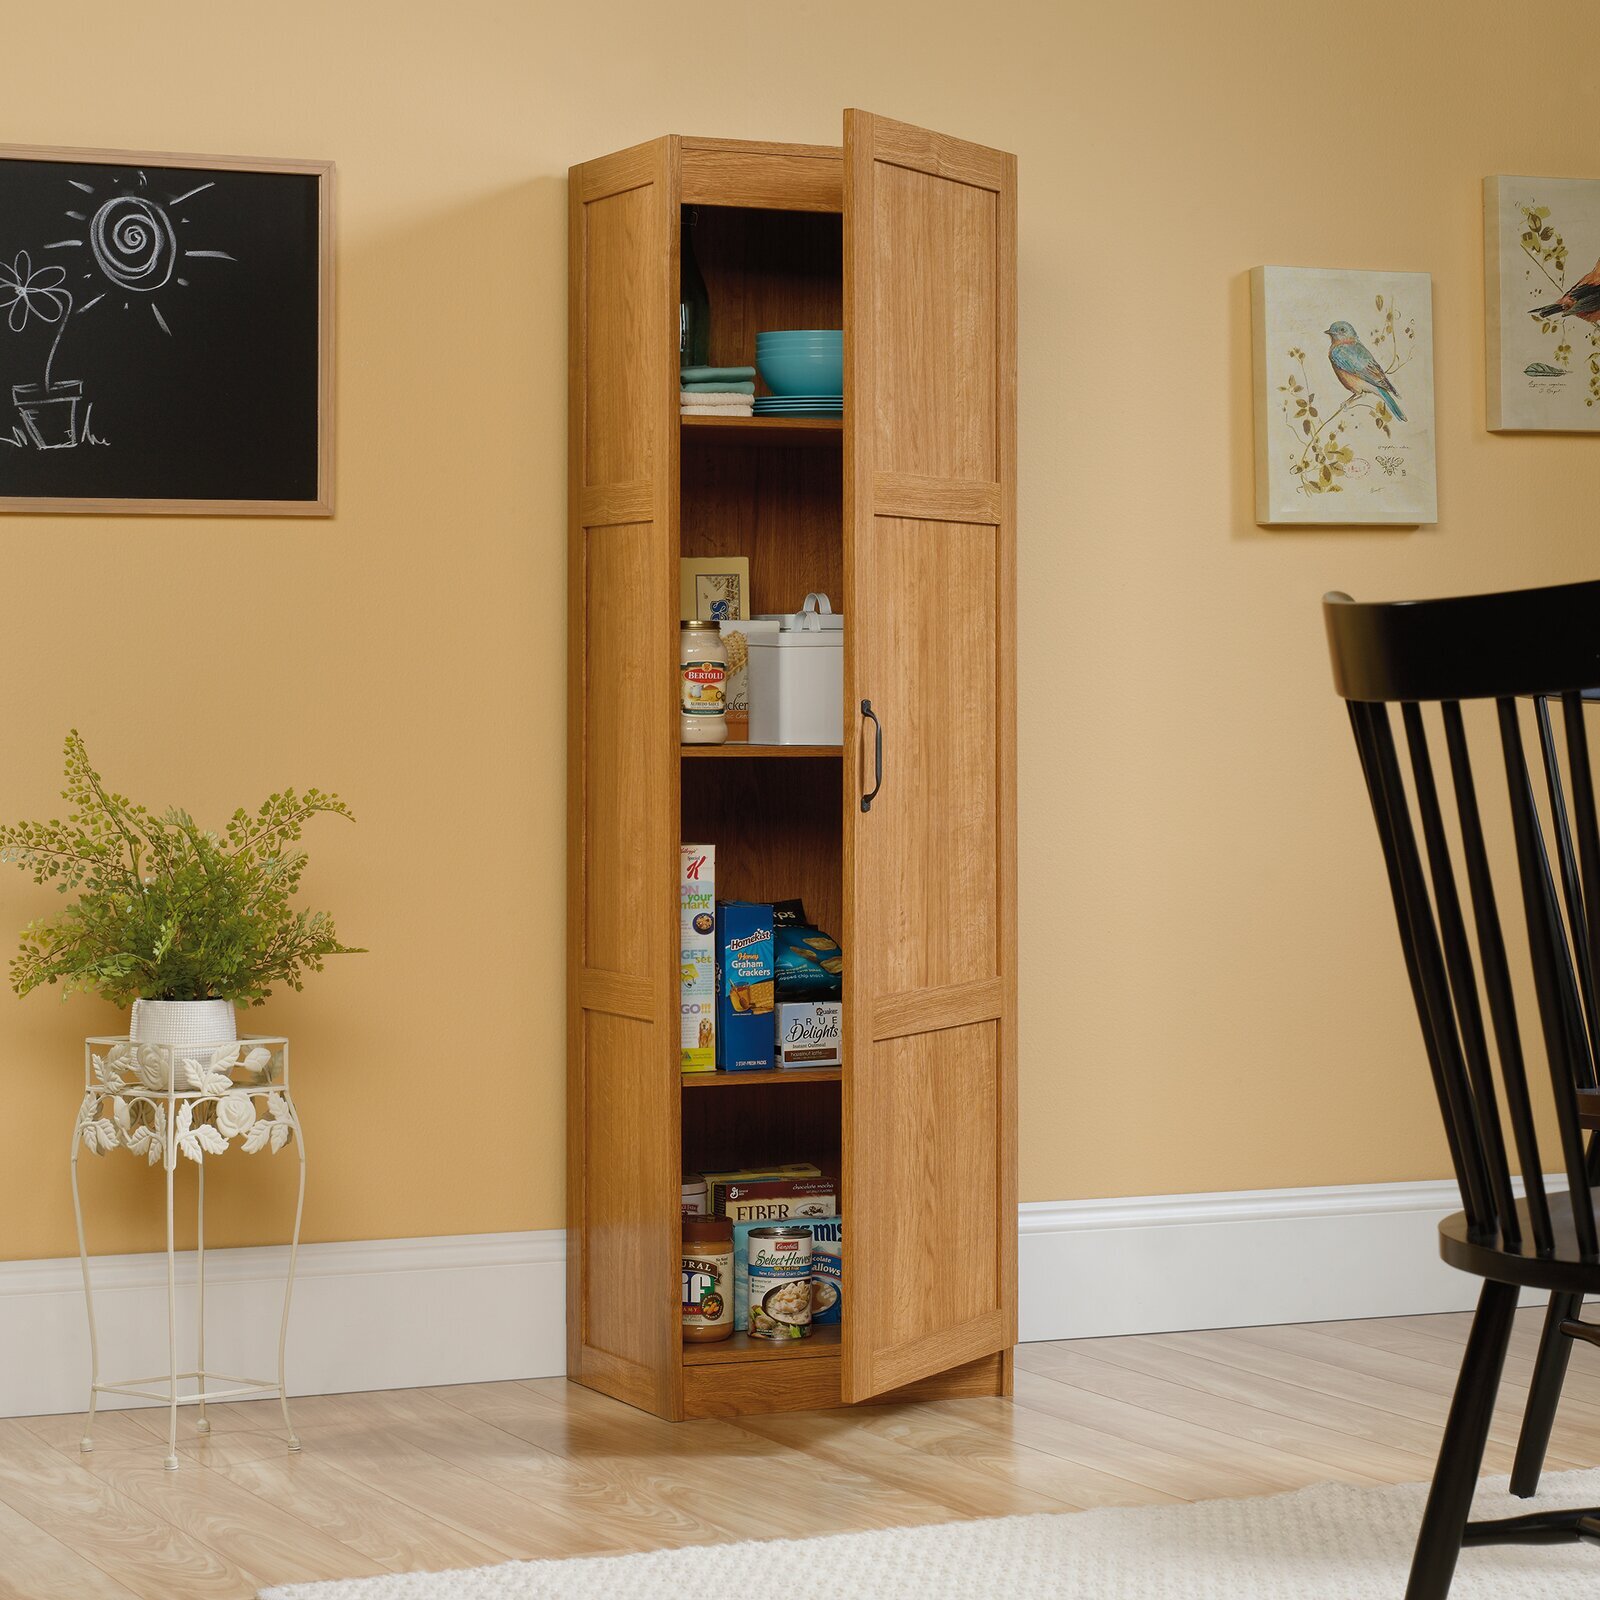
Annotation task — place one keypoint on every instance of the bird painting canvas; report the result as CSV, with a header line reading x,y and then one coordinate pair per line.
x,y
1343,397
1542,311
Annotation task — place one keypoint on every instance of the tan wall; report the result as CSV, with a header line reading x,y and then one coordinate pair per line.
x,y
1212,999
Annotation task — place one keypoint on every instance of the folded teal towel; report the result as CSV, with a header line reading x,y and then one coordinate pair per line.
x,y
725,387
716,375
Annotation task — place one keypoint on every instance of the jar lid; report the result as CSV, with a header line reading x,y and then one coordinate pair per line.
x,y
700,622
707,1230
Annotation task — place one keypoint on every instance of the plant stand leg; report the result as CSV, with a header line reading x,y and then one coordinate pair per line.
x,y
288,1287
202,1425
86,1443
171,1462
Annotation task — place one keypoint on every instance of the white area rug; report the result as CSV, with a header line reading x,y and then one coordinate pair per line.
x,y
1329,1542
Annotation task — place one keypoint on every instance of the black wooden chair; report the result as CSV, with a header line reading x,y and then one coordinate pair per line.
x,y
1532,653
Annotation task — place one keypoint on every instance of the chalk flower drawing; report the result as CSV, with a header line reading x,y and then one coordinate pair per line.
x,y
49,412
33,294
132,250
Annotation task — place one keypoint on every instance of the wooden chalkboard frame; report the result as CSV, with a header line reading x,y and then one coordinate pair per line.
x,y
322,505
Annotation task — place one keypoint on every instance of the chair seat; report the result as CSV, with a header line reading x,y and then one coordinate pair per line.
x,y
1564,1270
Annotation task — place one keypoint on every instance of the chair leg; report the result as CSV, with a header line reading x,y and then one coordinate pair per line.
x,y
1549,1373
1461,1453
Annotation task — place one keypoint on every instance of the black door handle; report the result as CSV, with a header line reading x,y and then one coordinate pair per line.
x,y
877,758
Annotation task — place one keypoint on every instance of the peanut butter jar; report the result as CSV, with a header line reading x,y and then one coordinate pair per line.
x,y
707,1279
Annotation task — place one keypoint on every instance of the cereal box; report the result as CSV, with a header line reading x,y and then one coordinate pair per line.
x,y
744,986
780,1200
717,1183
697,999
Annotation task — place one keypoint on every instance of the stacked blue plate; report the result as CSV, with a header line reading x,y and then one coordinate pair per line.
x,y
799,406
804,369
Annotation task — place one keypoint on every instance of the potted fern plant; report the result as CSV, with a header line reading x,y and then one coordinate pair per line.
x,y
183,923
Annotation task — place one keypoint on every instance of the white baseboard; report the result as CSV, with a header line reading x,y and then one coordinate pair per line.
x,y
373,1314
1092,1268
400,1313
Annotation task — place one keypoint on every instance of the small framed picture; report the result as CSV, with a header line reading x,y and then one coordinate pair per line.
x,y
713,588
1541,246
1343,397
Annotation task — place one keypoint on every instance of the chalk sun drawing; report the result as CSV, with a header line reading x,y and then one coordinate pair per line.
x,y
133,250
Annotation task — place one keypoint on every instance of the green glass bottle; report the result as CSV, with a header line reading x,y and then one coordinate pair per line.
x,y
694,308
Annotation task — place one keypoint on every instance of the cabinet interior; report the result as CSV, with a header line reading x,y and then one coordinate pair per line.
x,y
755,1123
766,270
776,820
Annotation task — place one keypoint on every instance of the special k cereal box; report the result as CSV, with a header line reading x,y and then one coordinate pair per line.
x,y
697,957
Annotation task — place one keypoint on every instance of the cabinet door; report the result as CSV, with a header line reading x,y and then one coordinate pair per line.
x,y
930,921
622,1087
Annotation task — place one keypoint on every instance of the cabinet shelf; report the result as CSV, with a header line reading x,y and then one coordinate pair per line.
x,y
823,1345
732,1080
814,433
749,752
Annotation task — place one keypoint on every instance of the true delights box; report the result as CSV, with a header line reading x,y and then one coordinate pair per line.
x,y
810,1033
697,999
744,986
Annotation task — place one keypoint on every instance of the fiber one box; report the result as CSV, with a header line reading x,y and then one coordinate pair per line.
x,y
697,916
810,1033
718,1183
781,1200
745,991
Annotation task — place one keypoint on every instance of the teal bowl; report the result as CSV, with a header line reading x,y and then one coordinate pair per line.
x,y
813,371
803,342
835,335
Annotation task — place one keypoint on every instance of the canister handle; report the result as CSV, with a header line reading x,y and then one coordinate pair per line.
x,y
808,619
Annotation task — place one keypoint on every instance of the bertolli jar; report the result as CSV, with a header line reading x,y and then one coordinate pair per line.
x,y
702,684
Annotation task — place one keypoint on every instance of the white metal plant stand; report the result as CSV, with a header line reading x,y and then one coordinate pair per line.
x,y
162,1102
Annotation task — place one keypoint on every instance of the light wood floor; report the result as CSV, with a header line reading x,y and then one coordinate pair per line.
x,y
421,1478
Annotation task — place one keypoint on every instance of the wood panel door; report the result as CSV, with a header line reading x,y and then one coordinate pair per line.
x,y
930,918
623,1244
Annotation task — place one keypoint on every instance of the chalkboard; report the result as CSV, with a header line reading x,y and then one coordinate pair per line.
x,y
165,333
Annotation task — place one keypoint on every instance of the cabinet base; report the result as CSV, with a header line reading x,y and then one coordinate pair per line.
x,y
806,1383
803,1380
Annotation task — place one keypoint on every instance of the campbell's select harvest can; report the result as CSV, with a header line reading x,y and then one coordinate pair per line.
x,y
779,1262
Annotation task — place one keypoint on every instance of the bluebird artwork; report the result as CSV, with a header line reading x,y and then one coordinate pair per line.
x,y
1359,452
1357,368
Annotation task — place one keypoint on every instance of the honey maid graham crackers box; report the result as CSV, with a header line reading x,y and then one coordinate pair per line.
x,y
745,991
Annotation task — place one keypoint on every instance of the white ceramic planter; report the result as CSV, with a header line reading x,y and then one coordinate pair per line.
x,y
183,1024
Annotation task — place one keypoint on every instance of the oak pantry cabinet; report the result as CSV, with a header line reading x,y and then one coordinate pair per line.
x,y
906,511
